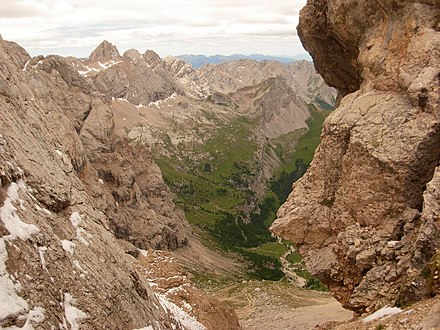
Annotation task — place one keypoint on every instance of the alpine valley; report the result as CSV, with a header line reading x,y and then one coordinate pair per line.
x,y
140,192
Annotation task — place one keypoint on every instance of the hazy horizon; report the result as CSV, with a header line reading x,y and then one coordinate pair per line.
x,y
168,27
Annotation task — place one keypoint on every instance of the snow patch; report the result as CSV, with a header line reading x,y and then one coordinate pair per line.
x,y
25,66
73,315
88,70
186,320
34,317
159,102
10,218
75,219
68,246
59,153
383,312
78,266
42,250
146,328
108,64
10,302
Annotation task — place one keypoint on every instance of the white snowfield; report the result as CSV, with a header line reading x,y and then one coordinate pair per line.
x,y
382,313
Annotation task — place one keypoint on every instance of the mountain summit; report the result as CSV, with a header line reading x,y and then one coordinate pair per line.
x,y
105,52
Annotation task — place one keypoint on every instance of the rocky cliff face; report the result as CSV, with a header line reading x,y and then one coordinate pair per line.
x,y
366,213
69,189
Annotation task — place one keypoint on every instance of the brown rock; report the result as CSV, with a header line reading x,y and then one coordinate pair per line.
x,y
432,319
105,52
359,203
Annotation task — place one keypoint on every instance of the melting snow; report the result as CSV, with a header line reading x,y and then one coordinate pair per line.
x,y
84,73
186,320
68,246
25,66
385,311
10,302
11,220
34,316
33,66
159,102
108,64
42,250
78,266
75,219
73,314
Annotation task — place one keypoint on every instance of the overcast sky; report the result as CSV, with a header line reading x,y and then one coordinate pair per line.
x,y
169,27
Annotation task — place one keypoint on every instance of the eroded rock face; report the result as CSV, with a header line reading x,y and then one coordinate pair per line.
x,y
60,263
366,214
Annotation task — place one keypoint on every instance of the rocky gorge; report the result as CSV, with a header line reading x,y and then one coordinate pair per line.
x,y
84,207
114,169
366,213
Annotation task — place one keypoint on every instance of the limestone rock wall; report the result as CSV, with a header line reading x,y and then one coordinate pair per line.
x,y
60,263
366,213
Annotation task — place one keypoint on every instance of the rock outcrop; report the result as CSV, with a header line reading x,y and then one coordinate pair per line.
x,y
365,215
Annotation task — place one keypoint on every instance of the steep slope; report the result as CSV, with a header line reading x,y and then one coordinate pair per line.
x,y
54,247
68,187
366,213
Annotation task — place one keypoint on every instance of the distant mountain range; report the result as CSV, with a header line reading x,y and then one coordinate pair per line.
x,y
199,60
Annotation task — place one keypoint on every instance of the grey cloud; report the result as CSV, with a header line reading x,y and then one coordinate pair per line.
x,y
19,9
169,25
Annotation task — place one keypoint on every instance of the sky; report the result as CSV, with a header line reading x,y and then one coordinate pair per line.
x,y
169,27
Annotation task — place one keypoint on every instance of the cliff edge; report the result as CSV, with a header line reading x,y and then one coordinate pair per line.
x,y
366,213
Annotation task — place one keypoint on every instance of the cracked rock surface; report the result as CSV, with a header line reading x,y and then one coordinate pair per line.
x,y
366,213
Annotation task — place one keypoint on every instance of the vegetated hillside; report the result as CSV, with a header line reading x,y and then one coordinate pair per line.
x,y
69,188
365,215
217,134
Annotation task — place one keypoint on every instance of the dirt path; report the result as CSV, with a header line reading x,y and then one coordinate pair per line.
x,y
281,306
300,318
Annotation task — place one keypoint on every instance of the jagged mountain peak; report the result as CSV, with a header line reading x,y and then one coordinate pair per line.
x,y
104,52
152,58
133,56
